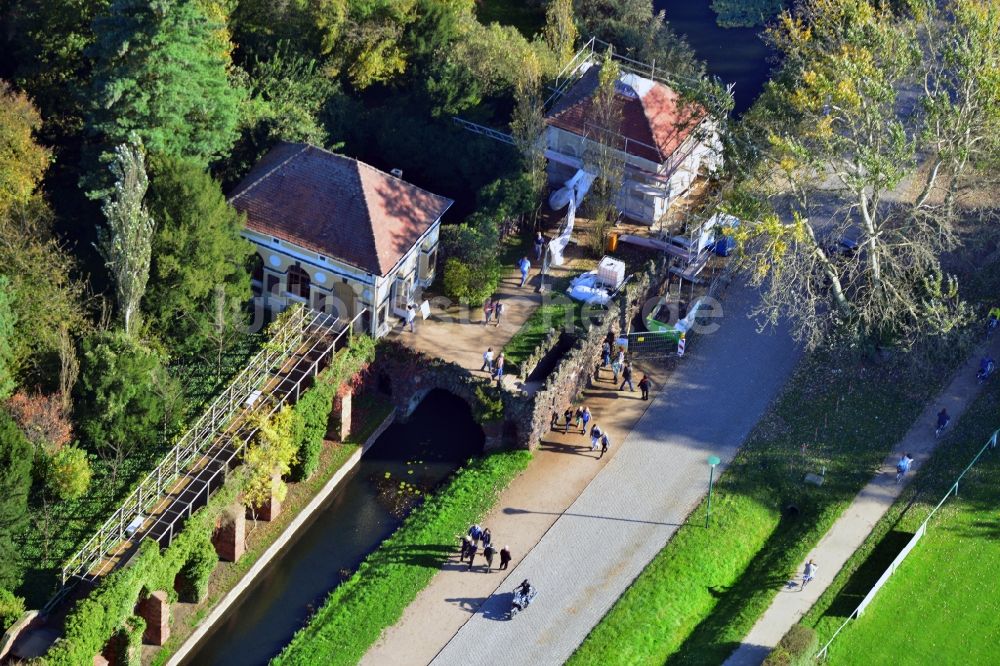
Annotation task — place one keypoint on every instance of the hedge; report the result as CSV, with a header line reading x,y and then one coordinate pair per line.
x,y
312,411
11,609
356,612
796,648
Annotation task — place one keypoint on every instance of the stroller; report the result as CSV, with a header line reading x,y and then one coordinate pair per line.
x,y
523,594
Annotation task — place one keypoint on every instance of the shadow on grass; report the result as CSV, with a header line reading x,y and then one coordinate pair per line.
x,y
867,574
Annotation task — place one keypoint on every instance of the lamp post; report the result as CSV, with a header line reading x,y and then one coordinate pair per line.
x,y
712,461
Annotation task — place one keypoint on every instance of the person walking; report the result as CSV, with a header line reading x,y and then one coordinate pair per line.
x,y
472,554
605,445
486,537
578,417
605,354
487,311
497,311
567,417
498,368
504,557
809,573
525,266
487,361
595,436
411,316
475,531
488,551
585,417
627,378
903,466
644,386
539,245
466,542
618,364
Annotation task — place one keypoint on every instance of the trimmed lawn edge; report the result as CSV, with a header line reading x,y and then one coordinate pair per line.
x,y
374,598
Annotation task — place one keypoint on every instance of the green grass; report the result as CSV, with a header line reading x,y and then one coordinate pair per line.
x,y
527,17
375,597
706,588
945,586
562,314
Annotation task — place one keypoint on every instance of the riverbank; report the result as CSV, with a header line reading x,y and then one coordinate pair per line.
x,y
266,539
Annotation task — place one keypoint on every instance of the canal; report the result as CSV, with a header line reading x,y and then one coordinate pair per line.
x,y
735,55
367,507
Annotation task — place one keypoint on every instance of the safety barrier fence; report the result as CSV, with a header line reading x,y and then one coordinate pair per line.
x,y
952,491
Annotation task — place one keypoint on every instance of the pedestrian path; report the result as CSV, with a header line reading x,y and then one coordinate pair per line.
x,y
593,550
850,530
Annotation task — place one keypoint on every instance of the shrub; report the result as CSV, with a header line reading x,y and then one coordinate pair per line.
x,y
132,633
489,404
197,570
796,648
68,473
11,609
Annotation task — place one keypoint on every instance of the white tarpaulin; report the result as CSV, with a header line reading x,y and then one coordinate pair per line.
x,y
573,192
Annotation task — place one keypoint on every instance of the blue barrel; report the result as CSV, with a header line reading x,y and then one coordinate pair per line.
x,y
725,245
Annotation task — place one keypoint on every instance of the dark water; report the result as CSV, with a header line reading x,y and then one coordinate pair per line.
x,y
735,55
439,436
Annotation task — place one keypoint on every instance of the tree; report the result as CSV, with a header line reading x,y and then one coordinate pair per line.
x,y
68,473
225,325
127,241
15,482
161,70
7,321
269,457
22,161
43,420
828,246
196,249
560,29
117,406
43,308
605,151
527,125
961,96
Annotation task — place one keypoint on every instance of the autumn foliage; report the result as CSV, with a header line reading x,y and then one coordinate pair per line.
x,y
42,419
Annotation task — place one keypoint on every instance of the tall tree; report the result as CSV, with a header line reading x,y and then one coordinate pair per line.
x,y
161,70
22,160
126,242
197,248
15,482
560,29
117,405
831,246
960,52
7,322
527,124
605,150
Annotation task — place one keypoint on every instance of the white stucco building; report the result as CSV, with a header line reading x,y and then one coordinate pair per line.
x,y
664,141
338,235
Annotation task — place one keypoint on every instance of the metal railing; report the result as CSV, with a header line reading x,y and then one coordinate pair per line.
x,y
495,134
991,443
284,343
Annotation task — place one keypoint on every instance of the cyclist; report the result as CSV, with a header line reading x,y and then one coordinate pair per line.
x,y
942,421
903,466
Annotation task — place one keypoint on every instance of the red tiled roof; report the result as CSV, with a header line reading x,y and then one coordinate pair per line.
x,y
336,206
655,119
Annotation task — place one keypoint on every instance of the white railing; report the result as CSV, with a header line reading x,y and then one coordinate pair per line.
x,y
283,345
991,443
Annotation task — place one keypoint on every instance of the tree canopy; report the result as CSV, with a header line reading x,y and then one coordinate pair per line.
x,y
15,482
22,161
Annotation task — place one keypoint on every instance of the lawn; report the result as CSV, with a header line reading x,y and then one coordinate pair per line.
x,y
527,17
946,587
704,591
560,313
354,615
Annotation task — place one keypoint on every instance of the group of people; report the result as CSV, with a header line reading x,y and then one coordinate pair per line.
x,y
493,365
580,419
621,367
476,537
492,311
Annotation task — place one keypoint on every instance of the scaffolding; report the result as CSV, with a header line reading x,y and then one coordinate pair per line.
x,y
198,464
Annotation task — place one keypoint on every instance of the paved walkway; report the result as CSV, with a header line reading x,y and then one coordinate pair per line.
x,y
852,528
621,520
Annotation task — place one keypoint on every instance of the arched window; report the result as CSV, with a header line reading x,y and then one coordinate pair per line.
x,y
298,282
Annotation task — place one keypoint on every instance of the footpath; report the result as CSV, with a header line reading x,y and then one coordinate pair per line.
x,y
584,556
852,528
